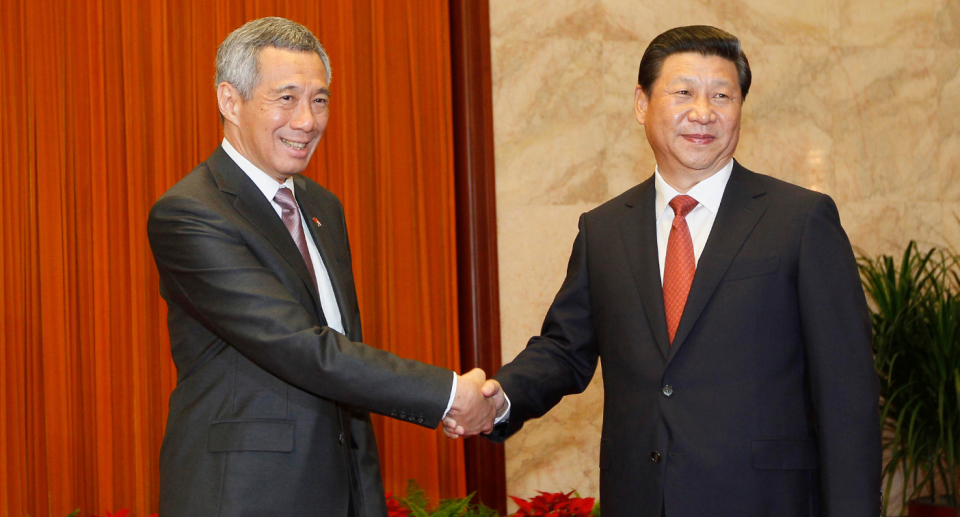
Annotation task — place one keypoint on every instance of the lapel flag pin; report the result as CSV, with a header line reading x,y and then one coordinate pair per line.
x,y
315,220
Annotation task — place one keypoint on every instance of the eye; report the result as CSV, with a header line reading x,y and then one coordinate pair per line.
x,y
287,97
322,101
684,92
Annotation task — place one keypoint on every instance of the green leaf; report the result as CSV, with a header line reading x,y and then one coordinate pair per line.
x,y
416,498
915,312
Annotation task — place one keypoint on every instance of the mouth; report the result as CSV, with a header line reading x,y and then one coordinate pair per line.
x,y
293,145
699,139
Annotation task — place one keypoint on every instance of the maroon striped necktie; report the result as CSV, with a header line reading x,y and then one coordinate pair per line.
x,y
291,219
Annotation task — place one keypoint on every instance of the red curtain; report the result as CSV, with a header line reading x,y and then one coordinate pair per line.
x,y
104,104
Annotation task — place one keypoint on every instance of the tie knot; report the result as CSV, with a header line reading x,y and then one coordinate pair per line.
x,y
284,198
682,205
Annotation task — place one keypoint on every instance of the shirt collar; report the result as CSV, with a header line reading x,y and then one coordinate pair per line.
x,y
708,192
262,180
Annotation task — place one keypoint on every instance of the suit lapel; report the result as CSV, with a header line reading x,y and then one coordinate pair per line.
x,y
638,229
741,208
326,243
252,205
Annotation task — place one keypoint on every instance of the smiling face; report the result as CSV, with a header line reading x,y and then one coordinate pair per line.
x,y
692,117
279,127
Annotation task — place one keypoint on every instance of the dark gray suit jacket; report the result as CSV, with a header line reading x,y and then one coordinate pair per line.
x,y
270,412
765,404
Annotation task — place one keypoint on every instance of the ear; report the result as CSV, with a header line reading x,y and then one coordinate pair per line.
x,y
230,102
640,103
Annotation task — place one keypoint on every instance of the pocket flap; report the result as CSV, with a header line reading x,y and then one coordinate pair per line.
x,y
786,454
251,435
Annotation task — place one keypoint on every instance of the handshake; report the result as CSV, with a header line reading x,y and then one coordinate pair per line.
x,y
476,405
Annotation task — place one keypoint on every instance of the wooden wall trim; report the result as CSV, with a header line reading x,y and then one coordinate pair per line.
x,y
476,208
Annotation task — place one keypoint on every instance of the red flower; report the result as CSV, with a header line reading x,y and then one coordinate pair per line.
x,y
554,505
394,508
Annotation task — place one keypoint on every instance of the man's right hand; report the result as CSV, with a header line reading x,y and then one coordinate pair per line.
x,y
492,390
472,413
453,425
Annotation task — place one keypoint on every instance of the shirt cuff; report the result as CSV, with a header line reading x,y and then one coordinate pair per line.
x,y
504,413
453,394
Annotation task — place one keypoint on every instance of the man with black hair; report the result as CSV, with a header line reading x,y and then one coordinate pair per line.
x,y
727,308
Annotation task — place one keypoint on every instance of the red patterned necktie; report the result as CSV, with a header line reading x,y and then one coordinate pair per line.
x,y
680,265
291,219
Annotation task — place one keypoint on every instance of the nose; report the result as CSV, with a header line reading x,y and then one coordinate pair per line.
x,y
303,119
701,111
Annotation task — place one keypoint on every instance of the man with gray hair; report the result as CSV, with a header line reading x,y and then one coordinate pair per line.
x,y
274,385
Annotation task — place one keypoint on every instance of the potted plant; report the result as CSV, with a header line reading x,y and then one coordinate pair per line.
x,y
915,310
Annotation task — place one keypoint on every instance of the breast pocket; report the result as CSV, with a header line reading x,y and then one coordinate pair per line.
x,y
752,267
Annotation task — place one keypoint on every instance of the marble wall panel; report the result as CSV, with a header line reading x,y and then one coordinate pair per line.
x,y
895,23
560,450
787,125
859,99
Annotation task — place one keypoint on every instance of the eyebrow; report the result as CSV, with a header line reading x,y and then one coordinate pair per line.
x,y
690,79
289,87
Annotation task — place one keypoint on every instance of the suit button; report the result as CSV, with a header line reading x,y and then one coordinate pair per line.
x,y
668,390
393,413
655,457
341,438
420,420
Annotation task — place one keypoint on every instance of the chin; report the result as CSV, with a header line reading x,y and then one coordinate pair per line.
x,y
294,171
696,165
702,162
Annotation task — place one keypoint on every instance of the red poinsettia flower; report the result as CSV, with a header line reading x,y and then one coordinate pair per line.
x,y
554,505
394,508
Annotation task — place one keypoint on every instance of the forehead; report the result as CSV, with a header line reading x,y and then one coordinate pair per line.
x,y
691,65
279,65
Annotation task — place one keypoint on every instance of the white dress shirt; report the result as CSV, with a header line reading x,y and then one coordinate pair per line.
x,y
328,300
708,194
269,187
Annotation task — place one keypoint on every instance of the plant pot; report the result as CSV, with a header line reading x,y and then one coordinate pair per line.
x,y
924,507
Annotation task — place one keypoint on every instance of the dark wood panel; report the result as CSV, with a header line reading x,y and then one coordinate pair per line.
x,y
478,284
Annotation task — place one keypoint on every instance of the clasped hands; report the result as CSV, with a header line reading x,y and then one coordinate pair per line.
x,y
477,403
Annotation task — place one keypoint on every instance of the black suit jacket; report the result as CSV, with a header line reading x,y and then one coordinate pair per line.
x,y
270,412
765,404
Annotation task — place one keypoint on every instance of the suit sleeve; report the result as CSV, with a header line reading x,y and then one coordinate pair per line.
x,y
562,359
837,334
207,269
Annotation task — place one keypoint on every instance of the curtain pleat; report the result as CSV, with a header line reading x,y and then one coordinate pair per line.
x,y
104,104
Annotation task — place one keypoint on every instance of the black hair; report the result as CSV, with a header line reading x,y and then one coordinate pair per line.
x,y
701,39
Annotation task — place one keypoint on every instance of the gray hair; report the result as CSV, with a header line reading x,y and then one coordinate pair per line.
x,y
238,57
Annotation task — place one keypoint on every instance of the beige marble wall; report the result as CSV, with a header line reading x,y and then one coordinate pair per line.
x,y
855,98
